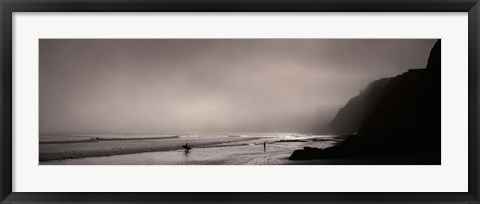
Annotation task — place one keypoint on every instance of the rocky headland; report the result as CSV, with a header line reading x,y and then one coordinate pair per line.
x,y
392,116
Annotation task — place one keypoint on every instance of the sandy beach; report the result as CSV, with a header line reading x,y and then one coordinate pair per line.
x,y
233,149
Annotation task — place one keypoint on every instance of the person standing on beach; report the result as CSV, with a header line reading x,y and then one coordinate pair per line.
x,y
186,147
264,146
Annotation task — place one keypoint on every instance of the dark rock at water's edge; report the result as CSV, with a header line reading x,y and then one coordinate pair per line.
x,y
399,115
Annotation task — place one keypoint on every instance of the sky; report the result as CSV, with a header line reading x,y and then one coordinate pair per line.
x,y
172,86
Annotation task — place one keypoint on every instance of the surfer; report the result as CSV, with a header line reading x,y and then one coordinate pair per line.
x,y
186,147
264,146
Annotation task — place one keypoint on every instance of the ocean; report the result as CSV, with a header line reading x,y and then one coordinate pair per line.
x,y
207,149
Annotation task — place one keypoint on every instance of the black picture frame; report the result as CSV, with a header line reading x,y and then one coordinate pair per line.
x,y
8,7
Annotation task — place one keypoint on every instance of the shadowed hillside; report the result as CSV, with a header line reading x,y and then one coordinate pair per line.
x,y
399,115
350,118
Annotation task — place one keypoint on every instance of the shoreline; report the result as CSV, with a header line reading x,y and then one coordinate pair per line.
x,y
252,153
96,139
134,147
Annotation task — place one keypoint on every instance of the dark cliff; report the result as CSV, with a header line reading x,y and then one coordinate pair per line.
x,y
399,115
350,118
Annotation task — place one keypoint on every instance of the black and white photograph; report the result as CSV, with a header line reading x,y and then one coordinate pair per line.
x,y
240,101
